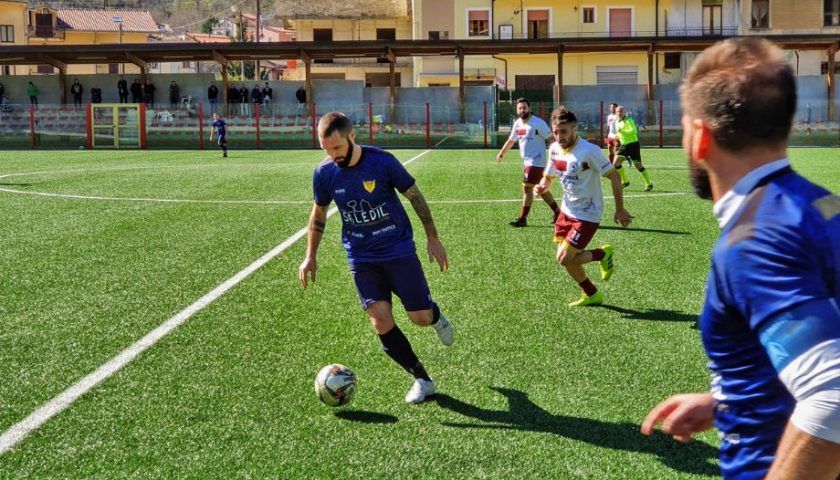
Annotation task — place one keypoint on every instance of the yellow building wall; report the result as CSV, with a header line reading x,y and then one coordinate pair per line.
x,y
578,69
14,14
90,38
354,29
565,18
346,29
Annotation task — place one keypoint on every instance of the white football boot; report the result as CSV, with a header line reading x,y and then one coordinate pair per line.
x,y
444,331
420,389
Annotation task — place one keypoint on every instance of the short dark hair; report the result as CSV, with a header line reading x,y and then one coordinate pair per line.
x,y
562,116
334,122
613,104
746,92
523,100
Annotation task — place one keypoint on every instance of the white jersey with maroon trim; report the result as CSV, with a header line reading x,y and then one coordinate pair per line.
x,y
580,170
531,136
612,124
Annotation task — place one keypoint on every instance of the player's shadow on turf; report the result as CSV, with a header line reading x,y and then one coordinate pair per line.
x,y
365,417
523,414
654,314
643,230
4,184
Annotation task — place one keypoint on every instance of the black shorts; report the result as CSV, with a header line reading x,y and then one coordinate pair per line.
x,y
630,151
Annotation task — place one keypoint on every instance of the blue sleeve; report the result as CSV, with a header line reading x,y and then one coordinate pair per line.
x,y
400,178
322,193
794,332
773,271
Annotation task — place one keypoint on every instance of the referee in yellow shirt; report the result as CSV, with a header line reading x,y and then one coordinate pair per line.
x,y
628,136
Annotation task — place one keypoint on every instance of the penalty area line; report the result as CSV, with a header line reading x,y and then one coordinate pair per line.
x,y
59,403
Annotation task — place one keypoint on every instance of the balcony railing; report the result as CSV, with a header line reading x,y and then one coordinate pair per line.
x,y
45,31
671,32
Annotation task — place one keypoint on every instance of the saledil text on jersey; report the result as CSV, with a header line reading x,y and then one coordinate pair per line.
x,y
364,217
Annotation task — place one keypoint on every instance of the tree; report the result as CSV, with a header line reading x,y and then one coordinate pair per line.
x,y
207,26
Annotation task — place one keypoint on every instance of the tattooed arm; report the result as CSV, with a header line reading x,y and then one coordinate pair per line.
x,y
317,224
435,247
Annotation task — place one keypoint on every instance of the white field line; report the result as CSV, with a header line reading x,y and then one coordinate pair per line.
x,y
276,202
444,139
57,404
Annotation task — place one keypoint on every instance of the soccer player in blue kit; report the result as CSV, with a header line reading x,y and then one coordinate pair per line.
x,y
376,233
771,322
220,128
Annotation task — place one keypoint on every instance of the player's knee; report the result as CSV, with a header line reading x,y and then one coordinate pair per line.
x,y
562,257
422,318
380,316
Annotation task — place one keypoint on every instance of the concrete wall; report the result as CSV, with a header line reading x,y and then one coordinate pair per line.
x,y
443,102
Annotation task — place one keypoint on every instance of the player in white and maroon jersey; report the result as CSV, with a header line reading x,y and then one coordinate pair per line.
x,y
612,131
580,166
531,132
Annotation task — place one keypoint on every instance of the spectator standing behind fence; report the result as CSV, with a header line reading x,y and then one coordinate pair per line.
x,y
136,91
243,100
213,96
300,94
122,89
32,91
149,93
95,95
2,92
256,95
76,91
267,94
174,94
232,98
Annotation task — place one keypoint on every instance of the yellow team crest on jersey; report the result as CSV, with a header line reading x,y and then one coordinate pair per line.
x,y
370,185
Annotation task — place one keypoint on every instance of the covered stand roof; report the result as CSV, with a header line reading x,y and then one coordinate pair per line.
x,y
175,52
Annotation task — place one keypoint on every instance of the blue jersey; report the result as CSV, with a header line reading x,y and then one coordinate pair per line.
x,y
375,226
219,125
777,253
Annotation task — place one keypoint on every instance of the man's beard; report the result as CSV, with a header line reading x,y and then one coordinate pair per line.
x,y
345,160
524,116
700,181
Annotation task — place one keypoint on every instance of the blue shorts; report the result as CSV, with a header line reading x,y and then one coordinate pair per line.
x,y
403,276
222,140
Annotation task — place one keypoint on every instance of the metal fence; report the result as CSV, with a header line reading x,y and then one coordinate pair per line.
x,y
288,125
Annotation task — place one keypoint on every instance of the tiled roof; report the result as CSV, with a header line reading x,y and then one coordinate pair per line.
x,y
208,38
99,20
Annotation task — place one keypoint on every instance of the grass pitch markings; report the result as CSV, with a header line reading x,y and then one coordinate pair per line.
x,y
59,403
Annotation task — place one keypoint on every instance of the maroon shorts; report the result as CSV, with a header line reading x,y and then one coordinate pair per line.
x,y
532,176
611,142
577,233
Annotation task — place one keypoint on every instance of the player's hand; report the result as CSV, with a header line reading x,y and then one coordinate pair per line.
x,y
499,158
309,266
438,253
539,189
682,416
623,217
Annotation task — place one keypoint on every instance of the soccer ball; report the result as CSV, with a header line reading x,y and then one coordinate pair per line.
x,y
335,385
81,147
